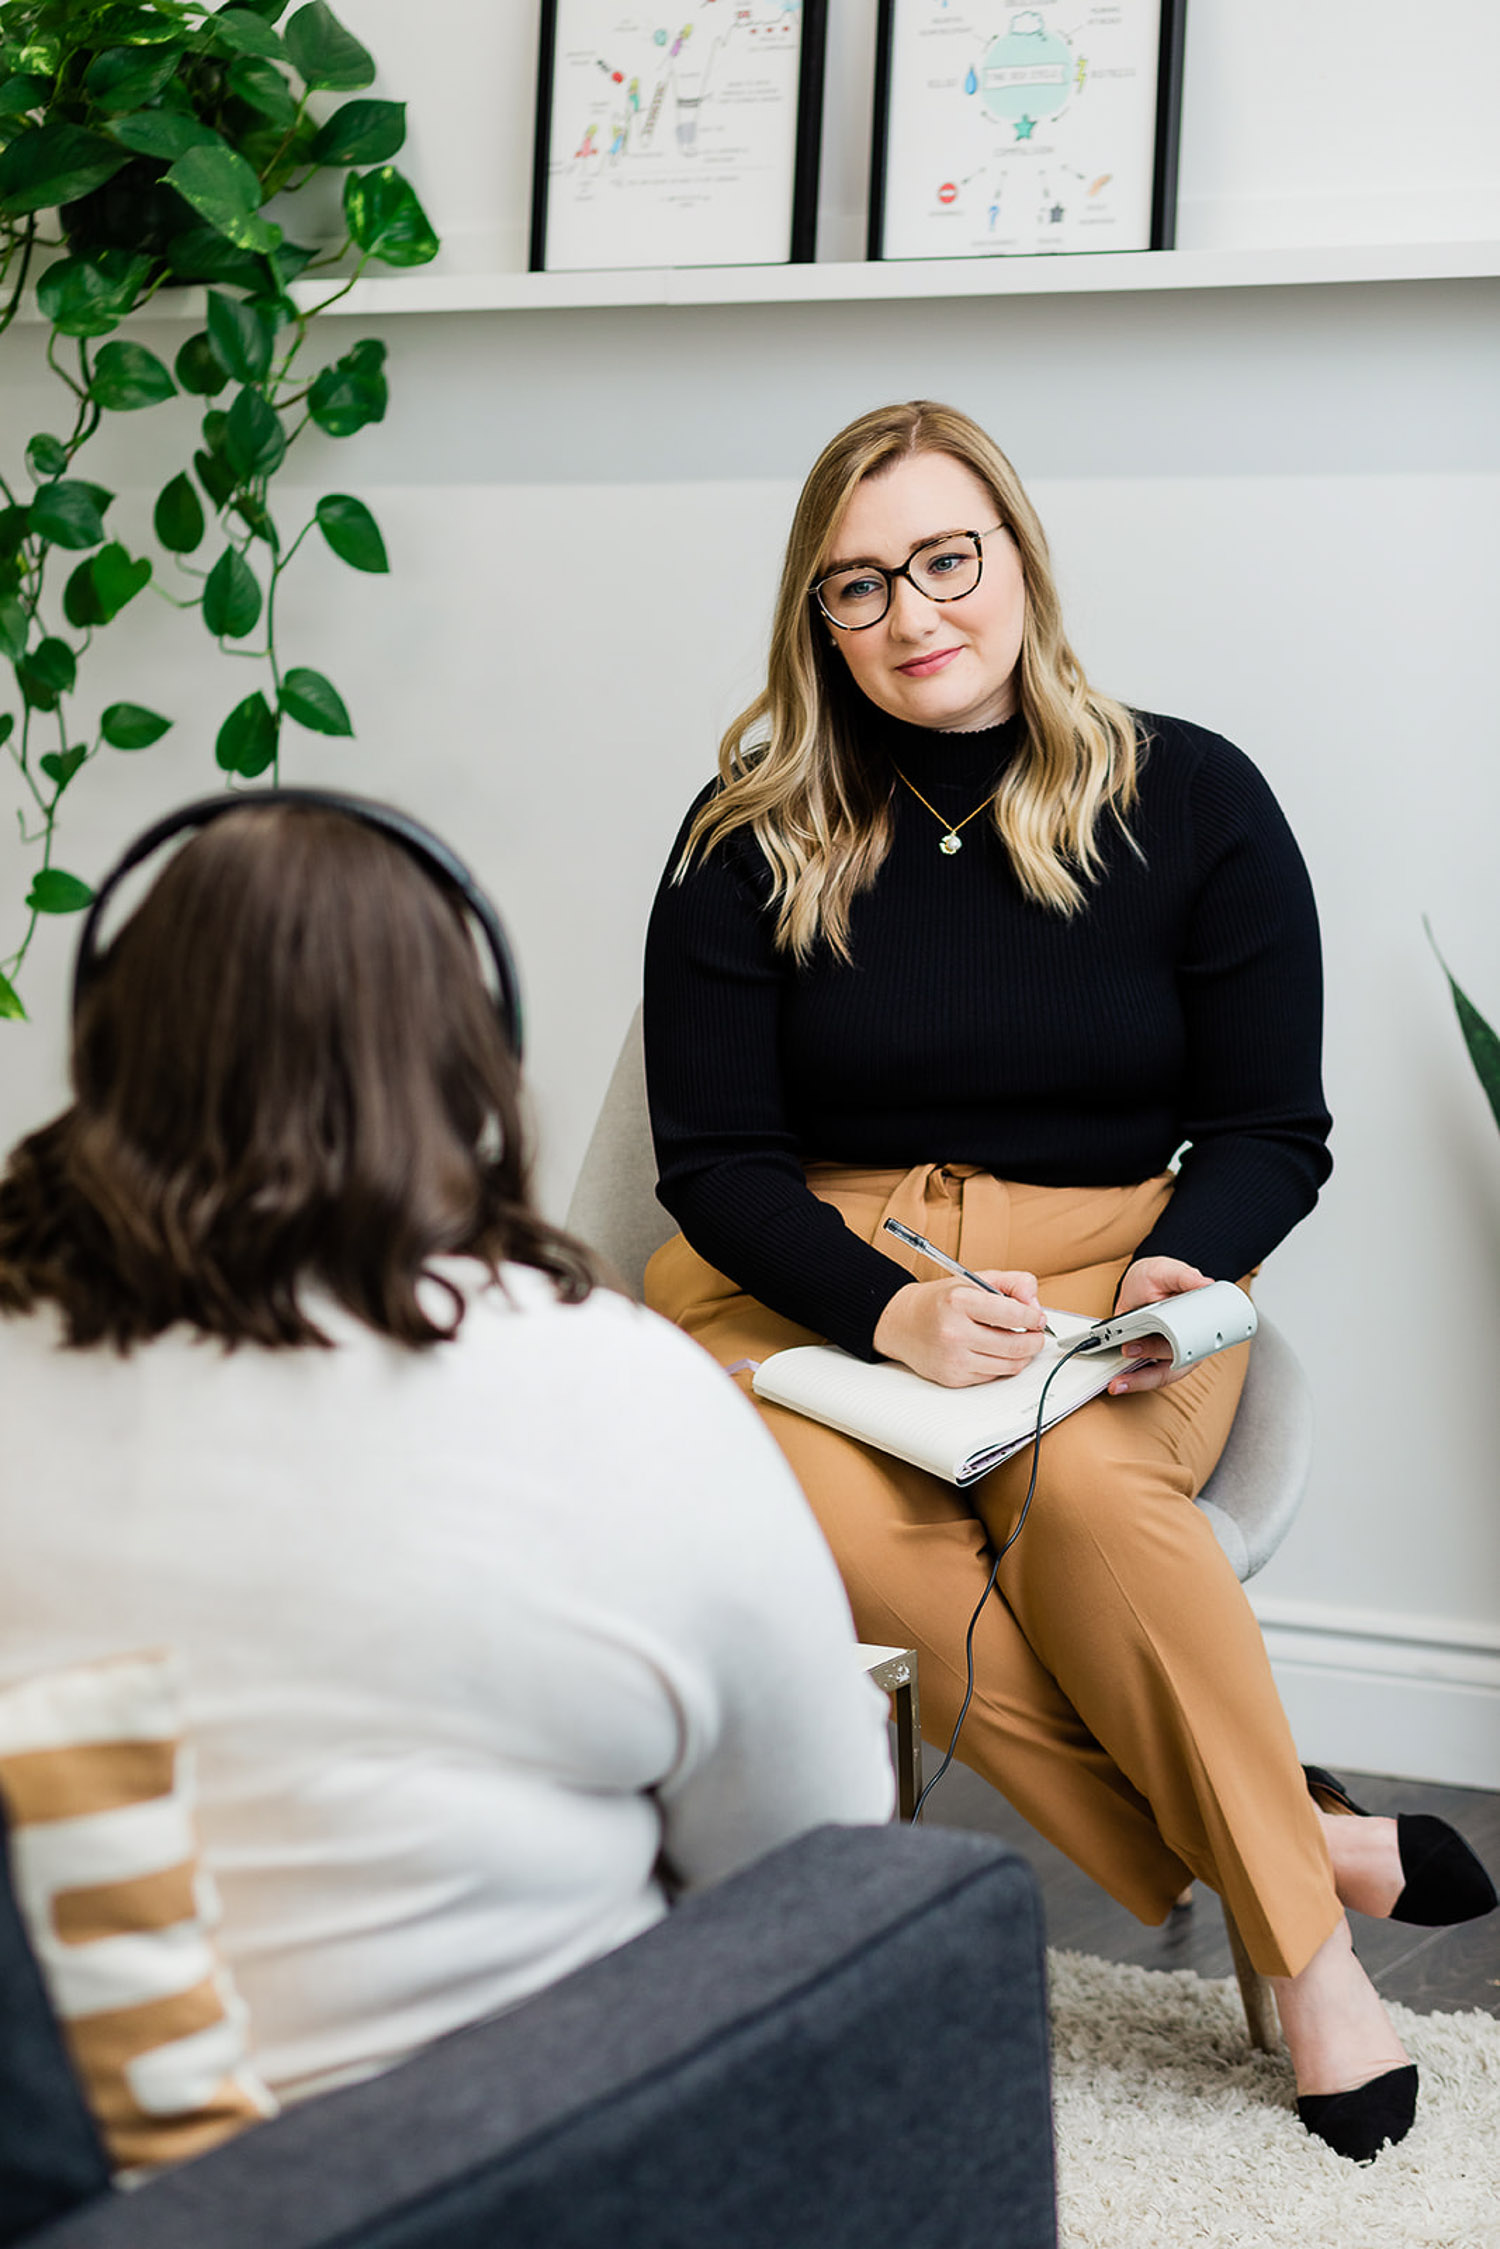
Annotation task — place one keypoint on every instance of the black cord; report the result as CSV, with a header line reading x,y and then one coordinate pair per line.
x,y
1085,1343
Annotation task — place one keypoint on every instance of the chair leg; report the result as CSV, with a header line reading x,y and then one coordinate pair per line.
x,y
895,1669
1255,1990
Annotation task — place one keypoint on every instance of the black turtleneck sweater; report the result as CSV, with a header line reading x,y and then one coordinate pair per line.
x,y
1183,1003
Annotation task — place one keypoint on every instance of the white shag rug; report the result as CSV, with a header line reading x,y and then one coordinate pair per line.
x,y
1172,2133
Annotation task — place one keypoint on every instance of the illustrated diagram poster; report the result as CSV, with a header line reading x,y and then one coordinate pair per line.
x,y
1008,131
676,139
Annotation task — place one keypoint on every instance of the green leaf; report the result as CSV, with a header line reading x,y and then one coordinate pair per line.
x,y
23,92
15,628
178,517
245,33
270,11
15,529
53,892
215,475
258,518
165,133
51,164
241,338
231,597
313,701
1479,1038
43,52
261,87
35,692
68,514
222,188
128,377
54,663
350,393
200,254
130,726
254,438
361,133
81,604
118,578
351,531
46,457
10,1002
61,765
89,296
197,368
385,218
328,56
141,27
127,78
247,740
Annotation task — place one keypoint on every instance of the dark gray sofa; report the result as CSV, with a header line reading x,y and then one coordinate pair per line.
x,y
845,2044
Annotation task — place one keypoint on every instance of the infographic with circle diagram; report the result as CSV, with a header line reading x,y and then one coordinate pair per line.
x,y
672,139
1017,130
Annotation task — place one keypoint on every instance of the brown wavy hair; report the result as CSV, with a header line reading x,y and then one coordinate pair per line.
x,y
287,1072
790,766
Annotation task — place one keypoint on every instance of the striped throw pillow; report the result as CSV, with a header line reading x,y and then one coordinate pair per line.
x,y
97,1789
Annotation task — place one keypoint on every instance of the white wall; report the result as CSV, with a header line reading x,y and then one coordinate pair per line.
x,y
1273,510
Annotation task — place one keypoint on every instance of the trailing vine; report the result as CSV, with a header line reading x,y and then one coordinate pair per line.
x,y
148,139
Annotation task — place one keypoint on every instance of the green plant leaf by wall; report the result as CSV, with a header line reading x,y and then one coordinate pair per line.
x,y
329,58
231,597
315,702
52,164
1480,1039
128,377
129,726
351,531
54,892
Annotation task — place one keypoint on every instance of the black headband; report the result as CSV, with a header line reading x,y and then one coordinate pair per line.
x,y
428,850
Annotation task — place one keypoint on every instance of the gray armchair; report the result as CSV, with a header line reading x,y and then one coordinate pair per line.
x,y
845,2044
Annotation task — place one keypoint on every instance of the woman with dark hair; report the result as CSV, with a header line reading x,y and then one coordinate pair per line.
x,y
479,1657
958,939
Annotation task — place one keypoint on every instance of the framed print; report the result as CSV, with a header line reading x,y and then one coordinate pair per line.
x,y
1010,131
680,139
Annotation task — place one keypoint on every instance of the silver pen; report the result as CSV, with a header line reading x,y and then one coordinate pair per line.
x,y
941,1257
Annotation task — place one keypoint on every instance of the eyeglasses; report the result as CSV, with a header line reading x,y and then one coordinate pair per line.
x,y
943,569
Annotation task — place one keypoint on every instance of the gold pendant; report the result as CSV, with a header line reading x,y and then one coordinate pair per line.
x,y
950,844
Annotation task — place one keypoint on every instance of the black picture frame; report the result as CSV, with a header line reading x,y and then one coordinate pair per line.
x,y
1166,138
802,240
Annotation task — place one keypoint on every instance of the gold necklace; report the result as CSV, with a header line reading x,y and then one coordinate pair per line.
x,y
950,842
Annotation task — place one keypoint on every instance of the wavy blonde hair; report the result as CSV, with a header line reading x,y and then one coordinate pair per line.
x,y
790,767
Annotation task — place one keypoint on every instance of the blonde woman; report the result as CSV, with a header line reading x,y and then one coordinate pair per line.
x,y
956,938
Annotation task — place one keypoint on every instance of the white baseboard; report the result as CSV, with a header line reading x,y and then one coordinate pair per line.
x,y
1414,1696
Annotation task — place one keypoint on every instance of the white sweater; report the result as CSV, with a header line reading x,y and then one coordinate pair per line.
x,y
473,1634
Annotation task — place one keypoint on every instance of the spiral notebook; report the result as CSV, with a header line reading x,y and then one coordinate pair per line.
x,y
959,1435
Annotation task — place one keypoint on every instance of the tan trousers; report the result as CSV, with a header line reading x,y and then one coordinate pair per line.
x,y
1123,1700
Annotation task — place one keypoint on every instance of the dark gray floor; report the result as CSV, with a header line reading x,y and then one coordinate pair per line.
x,y
1429,1969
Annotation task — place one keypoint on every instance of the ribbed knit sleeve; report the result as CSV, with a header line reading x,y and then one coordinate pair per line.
x,y
729,1160
1182,1003
1251,988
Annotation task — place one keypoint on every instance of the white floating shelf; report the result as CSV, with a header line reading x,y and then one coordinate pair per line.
x,y
437,292
893,281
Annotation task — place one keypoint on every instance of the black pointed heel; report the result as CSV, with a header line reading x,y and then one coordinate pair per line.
x,y
1444,1881
1359,2123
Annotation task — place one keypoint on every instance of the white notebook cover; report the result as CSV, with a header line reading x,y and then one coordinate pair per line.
x,y
959,1435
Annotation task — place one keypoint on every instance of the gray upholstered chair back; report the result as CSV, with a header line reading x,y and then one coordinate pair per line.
x,y
1251,1497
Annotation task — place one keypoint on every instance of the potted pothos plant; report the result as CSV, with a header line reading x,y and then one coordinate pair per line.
x,y
147,145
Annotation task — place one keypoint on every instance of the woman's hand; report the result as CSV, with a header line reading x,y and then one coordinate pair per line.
x,y
959,1335
1150,1280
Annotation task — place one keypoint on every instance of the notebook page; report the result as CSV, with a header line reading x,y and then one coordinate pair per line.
x,y
955,1434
